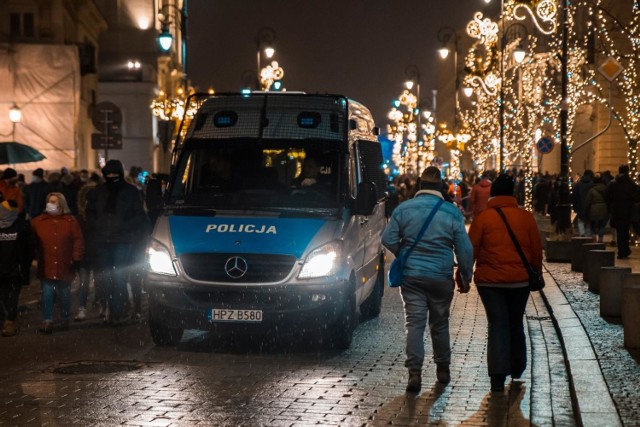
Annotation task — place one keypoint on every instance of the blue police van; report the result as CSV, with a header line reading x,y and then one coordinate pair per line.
x,y
271,221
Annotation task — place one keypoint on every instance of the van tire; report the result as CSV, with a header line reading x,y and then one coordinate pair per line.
x,y
372,306
163,335
341,335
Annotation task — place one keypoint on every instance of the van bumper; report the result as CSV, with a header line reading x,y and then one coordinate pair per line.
x,y
290,308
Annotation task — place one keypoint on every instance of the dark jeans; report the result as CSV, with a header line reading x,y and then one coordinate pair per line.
x,y
111,271
9,293
507,348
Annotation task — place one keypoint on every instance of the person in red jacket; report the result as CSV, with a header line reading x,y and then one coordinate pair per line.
x,y
59,248
502,279
480,194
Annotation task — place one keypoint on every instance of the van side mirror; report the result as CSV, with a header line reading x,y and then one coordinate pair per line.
x,y
366,199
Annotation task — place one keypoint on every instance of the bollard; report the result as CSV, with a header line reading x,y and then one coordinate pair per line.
x,y
610,280
614,302
576,252
585,248
592,264
631,315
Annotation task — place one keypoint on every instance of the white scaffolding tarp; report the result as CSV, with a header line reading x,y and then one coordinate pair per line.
x,y
44,82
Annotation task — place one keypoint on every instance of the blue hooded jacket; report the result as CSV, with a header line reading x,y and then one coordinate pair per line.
x,y
433,255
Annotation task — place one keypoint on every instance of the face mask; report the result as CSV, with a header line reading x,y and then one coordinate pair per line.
x,y
52,208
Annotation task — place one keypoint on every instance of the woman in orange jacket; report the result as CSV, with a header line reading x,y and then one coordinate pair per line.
x,y
60,247
502,278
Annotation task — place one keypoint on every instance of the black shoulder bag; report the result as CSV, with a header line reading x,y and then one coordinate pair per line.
x,y
536,280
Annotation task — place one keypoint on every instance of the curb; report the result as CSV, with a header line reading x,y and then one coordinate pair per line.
x,y
592,402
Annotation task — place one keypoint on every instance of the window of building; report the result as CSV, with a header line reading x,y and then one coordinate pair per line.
x,y
22,24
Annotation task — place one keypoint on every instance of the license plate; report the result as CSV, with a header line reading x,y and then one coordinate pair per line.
x,y
228,315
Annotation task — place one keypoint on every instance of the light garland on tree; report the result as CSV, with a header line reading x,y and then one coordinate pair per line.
x,y
619,37
412,151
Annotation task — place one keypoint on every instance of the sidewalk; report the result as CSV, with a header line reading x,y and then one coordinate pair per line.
x,y
604,374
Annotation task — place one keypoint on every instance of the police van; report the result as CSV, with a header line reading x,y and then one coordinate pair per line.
x,y
271,221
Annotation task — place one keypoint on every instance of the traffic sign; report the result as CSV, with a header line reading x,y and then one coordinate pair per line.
x,y
610,68
106,115
545,145
100,141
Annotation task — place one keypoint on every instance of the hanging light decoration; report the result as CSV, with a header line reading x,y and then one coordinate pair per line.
x,y
270,74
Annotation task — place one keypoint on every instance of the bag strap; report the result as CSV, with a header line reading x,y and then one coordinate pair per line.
x,y
424,228
525,261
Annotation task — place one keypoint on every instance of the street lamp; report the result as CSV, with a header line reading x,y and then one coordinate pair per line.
x,y
519,32
265,37
15,115
165,38
445,35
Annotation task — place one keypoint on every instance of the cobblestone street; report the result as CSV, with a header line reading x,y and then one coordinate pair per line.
x,y
229,381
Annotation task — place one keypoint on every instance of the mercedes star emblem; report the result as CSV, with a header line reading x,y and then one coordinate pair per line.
x,y
236,267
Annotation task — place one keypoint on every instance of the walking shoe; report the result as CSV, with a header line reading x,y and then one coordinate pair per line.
x,y
443,374
82,314
415,381
9,328
46,328
497,382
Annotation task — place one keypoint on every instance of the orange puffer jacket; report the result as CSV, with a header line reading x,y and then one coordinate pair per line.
x,y
497,260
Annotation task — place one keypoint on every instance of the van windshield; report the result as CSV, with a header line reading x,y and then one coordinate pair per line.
x,y
247,175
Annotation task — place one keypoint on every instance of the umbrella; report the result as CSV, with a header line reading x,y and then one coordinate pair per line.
x,y
15,152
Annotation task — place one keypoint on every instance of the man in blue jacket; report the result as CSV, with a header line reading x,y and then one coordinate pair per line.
x,y
428,283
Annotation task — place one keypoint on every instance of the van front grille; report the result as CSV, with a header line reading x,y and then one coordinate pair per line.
x,y
237,268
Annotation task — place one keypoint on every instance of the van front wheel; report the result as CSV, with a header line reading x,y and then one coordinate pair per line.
x,y
164,335
342,332
372,306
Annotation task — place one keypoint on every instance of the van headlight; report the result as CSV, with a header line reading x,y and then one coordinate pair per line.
x,y
321,262
159,260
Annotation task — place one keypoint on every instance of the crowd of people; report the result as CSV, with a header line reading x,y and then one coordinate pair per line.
x,y
73,224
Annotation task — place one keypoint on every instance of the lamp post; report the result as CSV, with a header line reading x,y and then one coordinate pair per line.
x,y
165,38
563,224
266,36
15,115
412,73
445,35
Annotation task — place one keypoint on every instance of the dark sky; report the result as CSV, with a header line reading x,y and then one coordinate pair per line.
x,y
358,48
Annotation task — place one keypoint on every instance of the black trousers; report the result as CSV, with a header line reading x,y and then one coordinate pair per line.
x,y
9,293
622,236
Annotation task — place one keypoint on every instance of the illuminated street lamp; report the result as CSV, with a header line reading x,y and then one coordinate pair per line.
x,y
445,35
165,38
15,115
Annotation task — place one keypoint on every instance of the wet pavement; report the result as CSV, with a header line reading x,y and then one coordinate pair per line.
x,y
579,373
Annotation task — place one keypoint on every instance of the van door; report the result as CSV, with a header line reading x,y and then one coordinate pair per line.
x,y
370,166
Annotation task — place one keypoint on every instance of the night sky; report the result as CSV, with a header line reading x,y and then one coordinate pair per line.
x,y
358,48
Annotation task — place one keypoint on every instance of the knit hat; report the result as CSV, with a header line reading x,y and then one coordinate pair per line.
x,y
9,173
431,175
503,185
